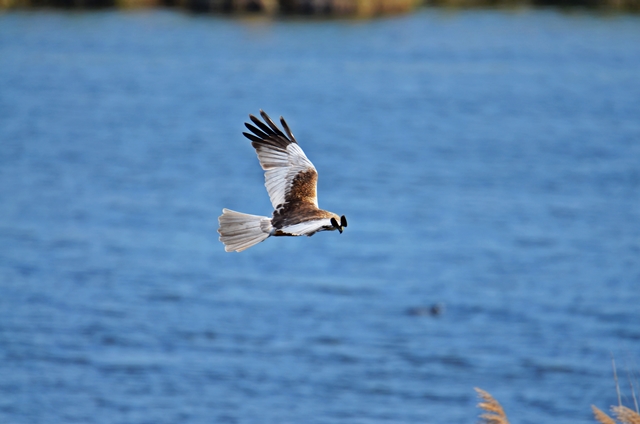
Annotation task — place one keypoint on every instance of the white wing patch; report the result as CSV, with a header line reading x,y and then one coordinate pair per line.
x,y
306,228
281,167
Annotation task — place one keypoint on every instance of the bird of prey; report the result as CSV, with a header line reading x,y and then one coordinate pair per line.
x,y
290,179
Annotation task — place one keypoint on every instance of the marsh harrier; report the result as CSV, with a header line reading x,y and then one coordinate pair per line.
x,y
290,179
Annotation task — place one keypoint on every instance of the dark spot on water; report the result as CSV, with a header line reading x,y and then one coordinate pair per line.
x,y
434,310
109,340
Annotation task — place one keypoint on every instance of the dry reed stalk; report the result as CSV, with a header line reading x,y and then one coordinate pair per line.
x,y
495,414
626,415
601,417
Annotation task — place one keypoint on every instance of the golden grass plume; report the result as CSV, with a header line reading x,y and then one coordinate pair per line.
x,y
601,417
626,415
494,412
622,413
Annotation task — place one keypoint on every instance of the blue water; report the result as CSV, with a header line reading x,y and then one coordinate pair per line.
x,y
488,162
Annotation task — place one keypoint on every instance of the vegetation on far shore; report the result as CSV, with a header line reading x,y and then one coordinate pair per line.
x,y
326,8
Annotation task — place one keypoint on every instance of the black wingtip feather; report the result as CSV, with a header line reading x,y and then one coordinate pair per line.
x,y
255,130
287,130
252,137
273,126
261,125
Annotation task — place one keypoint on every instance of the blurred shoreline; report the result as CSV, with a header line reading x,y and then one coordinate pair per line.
x,y
316,8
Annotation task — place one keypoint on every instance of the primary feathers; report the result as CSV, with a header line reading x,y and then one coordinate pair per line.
x,y
291,180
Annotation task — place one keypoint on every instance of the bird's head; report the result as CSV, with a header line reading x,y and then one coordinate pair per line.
x,y
342,224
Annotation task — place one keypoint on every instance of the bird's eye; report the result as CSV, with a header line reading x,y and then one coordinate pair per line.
x,y
334,222
343,221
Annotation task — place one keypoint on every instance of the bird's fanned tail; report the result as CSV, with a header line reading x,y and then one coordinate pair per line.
x,y
239,231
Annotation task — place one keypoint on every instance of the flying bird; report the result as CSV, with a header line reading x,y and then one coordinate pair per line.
x,y
290,179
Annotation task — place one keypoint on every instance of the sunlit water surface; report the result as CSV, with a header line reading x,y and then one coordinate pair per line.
x,y
487,161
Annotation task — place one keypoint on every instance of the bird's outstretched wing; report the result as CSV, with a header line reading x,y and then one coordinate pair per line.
x,y
289,176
